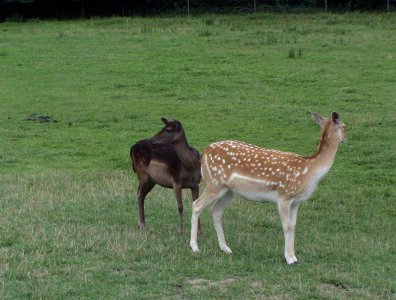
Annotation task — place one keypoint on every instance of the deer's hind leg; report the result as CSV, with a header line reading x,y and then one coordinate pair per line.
x,y
195,195
217,214
209,196
145,186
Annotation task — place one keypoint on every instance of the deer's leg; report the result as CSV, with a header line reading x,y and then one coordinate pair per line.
x,y
195,195
293,221
284,213
208,197
178,193
145,186
217,215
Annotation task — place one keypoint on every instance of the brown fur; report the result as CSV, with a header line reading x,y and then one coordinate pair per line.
x,y
167,160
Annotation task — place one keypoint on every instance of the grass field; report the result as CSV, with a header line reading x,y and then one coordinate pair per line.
x,y
75,95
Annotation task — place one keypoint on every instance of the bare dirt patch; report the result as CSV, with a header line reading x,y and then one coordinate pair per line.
x,y
200,283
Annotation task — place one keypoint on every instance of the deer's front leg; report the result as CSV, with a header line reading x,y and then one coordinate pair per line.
x,y
284,213
293,221
178,193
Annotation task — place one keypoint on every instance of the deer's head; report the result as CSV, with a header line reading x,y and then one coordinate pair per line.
x,y
332,127
172,133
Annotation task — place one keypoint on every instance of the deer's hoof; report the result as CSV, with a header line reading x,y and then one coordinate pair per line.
x,y
226,249
291,260
194,247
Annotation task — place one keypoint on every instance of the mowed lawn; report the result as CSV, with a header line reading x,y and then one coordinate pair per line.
x,y
75,95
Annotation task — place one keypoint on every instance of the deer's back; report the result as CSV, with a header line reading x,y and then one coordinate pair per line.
x,y
162,163
143,152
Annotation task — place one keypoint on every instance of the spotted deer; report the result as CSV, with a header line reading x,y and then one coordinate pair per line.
x,y
235,168
166,159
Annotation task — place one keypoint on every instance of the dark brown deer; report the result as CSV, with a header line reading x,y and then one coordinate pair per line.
x,y
166,159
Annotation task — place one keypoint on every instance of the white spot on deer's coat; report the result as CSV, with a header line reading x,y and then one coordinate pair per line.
x,y
305,170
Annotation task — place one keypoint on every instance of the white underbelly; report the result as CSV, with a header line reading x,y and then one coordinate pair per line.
x,y
260,196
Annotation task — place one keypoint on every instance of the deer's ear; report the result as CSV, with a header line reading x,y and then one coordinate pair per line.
x,y
165,120
178,125
318,119
335,117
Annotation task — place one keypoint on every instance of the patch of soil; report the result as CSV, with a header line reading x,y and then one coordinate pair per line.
x,y
204,283
41,118
335,285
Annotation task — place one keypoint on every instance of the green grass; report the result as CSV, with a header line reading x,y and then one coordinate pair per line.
x,y
68,218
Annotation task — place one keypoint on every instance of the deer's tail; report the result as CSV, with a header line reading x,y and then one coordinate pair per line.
x,y
131,153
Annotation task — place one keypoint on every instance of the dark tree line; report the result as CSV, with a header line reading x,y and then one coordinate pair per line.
x,y
25,9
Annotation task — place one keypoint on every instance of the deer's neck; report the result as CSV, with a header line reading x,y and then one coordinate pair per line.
x,y
323,159
186,156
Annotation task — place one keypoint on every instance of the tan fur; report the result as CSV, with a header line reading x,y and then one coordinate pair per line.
x,y
259,174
